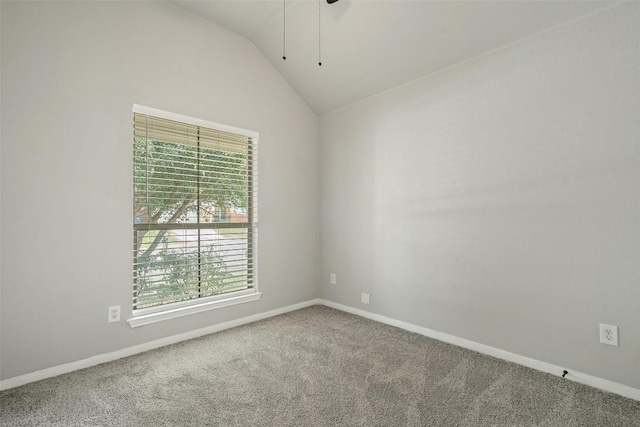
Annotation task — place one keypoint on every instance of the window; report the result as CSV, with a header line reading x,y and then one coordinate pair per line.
x,y
194,215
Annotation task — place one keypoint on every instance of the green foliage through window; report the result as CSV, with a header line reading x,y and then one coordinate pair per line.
x,y
193,212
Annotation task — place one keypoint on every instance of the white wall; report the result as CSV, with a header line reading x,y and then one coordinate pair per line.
x,y
70,74
499,200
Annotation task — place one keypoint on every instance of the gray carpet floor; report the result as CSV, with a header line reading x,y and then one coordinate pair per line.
x,y
312,367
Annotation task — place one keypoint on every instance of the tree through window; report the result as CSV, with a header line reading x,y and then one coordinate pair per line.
x,y
194,212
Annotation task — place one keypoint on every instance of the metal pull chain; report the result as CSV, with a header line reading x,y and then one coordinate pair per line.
x,y
319,37
284,30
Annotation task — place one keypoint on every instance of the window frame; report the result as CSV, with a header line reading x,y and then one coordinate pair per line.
x,y
203,303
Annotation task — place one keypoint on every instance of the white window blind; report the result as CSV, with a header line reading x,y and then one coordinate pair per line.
x,y
195,212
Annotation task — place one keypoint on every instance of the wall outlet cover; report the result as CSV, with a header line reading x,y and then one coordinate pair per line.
x,y
114,314
609,334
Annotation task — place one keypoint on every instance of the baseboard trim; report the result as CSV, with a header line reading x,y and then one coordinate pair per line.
x,y
576,376
140,348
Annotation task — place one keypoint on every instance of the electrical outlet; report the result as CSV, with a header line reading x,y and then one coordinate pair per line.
x,y
365,299
114,314
609,334
332,278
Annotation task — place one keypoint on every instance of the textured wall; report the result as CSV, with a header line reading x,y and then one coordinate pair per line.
x,y
70,75
499,200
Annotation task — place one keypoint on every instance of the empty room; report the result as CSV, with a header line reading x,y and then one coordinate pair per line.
x,y
320,213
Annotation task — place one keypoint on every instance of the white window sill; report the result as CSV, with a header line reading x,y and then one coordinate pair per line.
x,y
211,304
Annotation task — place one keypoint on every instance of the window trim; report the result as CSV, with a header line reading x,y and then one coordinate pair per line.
x,y
183,308
195,306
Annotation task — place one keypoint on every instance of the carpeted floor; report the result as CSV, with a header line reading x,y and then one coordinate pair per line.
x,y
312,367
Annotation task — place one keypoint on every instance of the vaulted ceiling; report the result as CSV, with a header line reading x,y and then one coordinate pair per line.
x,y
369,46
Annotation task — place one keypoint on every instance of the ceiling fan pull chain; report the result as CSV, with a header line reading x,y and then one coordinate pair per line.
x,y
319,38
284,30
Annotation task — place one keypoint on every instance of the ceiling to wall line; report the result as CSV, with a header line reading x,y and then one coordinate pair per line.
x,y
372,46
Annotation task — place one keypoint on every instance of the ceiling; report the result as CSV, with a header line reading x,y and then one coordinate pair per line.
x,y
370,46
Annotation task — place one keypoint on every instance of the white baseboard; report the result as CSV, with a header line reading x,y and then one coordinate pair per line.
x,y
129,351
579,377
549,368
